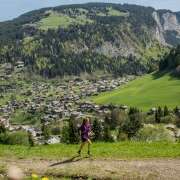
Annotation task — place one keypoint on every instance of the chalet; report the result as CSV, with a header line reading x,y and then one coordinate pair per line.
x,y
19,66
53,140
76,114
124,107
152,110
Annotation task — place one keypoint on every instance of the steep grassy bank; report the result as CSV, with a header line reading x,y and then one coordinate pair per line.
x,y
145,92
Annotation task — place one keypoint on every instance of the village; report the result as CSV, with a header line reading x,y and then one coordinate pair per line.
x,y
55,101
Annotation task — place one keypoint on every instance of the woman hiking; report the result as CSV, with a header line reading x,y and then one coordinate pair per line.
x,y
85,130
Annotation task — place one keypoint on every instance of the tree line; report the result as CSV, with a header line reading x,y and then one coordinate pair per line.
x,y
171,62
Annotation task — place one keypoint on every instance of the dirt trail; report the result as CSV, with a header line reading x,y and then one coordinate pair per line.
x,y
165,169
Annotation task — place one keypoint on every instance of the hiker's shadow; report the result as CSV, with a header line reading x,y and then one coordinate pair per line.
x,y
71,160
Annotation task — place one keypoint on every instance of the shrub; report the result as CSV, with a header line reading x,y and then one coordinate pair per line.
x,y
73,132
107,134
150,119
167,119
176,110
122,136
166,111
2,128
154,133
3,138
159,113
65,135
132,124
177,122
45,131
15,138
133,110
55,131
70,133
107,120
117,118
31,139
177,71
97,130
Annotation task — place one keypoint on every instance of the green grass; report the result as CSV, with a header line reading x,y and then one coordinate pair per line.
x,y
113,12
145,92
55,20
123,150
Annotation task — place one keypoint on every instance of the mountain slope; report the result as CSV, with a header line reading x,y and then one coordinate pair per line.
x,y
171,62
114,38
157,89
146,92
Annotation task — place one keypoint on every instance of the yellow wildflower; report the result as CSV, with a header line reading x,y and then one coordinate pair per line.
x,y
34,176
45,178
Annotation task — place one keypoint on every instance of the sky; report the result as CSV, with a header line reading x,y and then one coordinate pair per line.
x,y
10,9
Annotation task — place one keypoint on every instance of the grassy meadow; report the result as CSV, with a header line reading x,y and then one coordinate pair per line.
x,y
113,12
145,92
56,20
121,150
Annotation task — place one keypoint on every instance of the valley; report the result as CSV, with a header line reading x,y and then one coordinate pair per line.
x,y
117,64
115,67
26,103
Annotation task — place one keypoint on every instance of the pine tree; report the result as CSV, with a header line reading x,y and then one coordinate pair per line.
x,y
177,122
2,128
132,125
107,120
159,113
166,111
65,135
176,110
114,118
31,140
73,132
97,130
107,134
157,117
45,131
133,110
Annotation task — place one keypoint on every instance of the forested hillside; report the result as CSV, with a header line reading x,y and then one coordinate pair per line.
x,y
171,62
113,38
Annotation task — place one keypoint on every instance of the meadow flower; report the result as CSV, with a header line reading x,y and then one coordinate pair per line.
x,y
45,178
34,176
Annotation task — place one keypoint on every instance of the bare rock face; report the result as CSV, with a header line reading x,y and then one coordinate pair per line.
x,y
167,31
159,29
170,22
109,49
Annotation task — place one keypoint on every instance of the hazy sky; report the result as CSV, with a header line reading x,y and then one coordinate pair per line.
x,y
10,9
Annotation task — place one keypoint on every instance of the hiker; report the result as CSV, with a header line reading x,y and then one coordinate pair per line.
x,y
85,130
